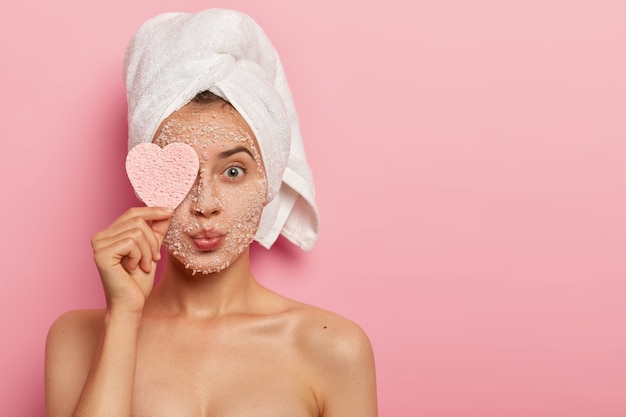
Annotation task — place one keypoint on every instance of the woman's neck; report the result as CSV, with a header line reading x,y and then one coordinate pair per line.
x,y
204,296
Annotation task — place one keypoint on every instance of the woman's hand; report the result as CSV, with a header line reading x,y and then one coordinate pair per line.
x,y
126,254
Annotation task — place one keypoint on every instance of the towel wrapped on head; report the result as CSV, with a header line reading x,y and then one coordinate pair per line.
x,y
175,56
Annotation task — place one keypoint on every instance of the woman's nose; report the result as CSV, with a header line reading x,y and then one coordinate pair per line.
x,y
204,199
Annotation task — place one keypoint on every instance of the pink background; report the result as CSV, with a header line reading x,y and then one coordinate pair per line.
x,y
470,160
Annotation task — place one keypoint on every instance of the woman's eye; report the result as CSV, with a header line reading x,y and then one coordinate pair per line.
x,y
234,172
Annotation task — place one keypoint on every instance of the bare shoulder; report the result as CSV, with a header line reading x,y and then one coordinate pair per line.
x,y
71,344
76,327
328,335
340,361
73,339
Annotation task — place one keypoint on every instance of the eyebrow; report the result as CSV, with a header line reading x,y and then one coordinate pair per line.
x,y
233,151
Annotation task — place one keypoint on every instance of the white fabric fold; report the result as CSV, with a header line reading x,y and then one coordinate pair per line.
x,y
175,56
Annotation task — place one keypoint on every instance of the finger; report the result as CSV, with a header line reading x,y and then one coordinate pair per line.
x,y
117,253
157,219
160,227
135,228
135,223
137,244
148,214
134,256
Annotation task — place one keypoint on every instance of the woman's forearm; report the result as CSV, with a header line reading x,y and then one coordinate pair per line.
x,y
109,386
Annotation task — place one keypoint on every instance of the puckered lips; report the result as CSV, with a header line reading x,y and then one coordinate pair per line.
x,y
207,240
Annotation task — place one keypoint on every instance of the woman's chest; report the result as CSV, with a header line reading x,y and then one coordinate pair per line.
x,y
209,375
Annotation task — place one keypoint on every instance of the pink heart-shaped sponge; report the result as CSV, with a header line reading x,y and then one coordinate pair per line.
x,y
162,177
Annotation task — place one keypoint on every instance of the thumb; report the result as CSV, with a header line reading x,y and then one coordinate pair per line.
x,y
160,227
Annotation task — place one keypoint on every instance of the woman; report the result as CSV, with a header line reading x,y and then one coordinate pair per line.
x,y
209,340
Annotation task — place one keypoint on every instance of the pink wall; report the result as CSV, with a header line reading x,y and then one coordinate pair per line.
x,y
470,158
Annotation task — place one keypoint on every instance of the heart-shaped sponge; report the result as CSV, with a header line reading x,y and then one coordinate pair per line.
x,y
162,177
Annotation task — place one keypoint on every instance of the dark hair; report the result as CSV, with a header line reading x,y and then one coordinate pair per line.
x,y
207,97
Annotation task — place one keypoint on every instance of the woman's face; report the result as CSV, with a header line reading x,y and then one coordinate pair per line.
x,y
219,217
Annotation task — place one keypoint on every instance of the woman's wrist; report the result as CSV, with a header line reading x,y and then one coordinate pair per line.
x,y
126,316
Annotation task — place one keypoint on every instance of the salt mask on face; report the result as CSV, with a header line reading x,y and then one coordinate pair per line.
x,y
219,217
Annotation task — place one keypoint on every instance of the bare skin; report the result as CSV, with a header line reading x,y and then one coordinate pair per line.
x,y
202,344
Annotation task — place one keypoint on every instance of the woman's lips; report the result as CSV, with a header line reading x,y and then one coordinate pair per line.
x,y
207,241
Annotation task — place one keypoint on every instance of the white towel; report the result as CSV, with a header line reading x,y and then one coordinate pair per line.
x,y
175,56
